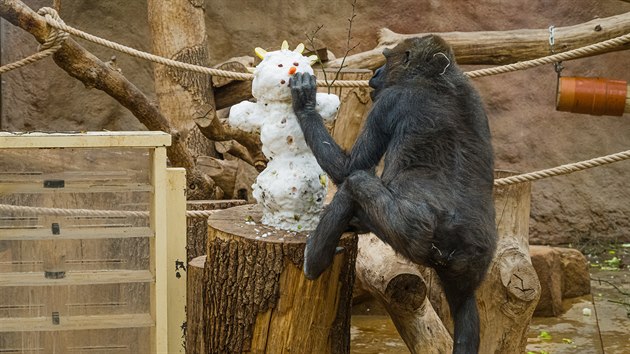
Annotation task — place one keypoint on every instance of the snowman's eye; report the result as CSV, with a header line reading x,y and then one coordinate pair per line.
x,y
279,65
282,82
296,64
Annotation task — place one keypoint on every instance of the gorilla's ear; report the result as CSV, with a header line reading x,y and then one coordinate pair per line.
x,y
440,62
407,56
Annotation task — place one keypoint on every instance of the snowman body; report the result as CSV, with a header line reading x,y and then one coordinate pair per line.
x,y
292,188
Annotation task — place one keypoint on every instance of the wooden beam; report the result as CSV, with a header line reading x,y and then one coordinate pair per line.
x,y
504,47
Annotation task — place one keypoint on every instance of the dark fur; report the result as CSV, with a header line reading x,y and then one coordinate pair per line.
x,y
433,203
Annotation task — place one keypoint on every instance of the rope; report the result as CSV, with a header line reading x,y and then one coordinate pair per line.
x,y
89,212
53,43
60,32
564,169
526,177
571,54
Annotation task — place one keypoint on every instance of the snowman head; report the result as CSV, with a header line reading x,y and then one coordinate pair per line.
x,y
271,77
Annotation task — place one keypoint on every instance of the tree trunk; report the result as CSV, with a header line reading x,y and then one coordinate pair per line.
x,y
258,299
503,47
178,32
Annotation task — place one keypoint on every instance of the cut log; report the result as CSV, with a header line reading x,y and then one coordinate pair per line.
x,y
503,47
195,306
237,64
400,287
258,299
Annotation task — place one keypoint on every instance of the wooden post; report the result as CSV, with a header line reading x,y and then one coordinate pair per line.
x,y
258,299
176,253
195,306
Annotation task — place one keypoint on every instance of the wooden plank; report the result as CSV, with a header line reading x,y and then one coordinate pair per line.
x,y
74,187
76,278
159,251
95,176
24,234
72,323
84,140
176,277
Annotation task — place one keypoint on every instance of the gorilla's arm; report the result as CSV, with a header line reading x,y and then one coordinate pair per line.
x,y
367,150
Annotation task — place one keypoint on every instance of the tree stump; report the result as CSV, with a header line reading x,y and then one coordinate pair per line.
x,y
258,299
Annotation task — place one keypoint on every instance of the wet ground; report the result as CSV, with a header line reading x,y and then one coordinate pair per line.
x,y
598,323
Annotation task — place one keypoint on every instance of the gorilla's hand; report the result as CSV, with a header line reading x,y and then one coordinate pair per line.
x,y
304,91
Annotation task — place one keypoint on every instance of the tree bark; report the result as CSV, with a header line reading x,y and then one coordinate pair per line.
x,y
503,47
258,299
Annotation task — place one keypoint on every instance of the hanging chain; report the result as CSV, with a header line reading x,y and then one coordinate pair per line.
x,y
552,41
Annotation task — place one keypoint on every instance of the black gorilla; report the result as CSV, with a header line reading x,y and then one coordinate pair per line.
x,y
433,203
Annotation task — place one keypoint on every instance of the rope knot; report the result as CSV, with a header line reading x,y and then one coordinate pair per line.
x,y
56,36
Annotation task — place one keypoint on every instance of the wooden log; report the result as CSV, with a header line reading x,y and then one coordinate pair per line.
x,y
258,299
503,47
195,306
400,287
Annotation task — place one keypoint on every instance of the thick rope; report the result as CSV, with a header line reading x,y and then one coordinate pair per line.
x,y
571,54
89,212
53,43
526,177
564,169
57,39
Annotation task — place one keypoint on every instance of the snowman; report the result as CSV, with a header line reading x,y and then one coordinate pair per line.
x,y
291,190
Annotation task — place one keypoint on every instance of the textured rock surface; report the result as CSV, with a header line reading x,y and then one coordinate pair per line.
x,y
528,133
563,274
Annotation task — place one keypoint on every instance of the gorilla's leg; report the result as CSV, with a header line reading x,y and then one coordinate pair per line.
x,y
406,227
410,229
460,294
322,242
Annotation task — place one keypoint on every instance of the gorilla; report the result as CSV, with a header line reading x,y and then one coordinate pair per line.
x,y
433,202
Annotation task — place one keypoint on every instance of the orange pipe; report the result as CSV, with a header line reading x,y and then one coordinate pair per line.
x,y
595,96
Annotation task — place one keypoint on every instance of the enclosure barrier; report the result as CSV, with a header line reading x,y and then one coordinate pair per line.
x,y
84,282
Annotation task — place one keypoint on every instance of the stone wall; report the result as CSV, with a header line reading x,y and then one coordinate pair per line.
x,y
528,133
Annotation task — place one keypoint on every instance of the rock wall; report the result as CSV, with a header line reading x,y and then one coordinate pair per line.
x,y
589,206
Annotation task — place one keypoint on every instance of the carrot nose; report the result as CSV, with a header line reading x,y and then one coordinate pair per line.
x,y
292,70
